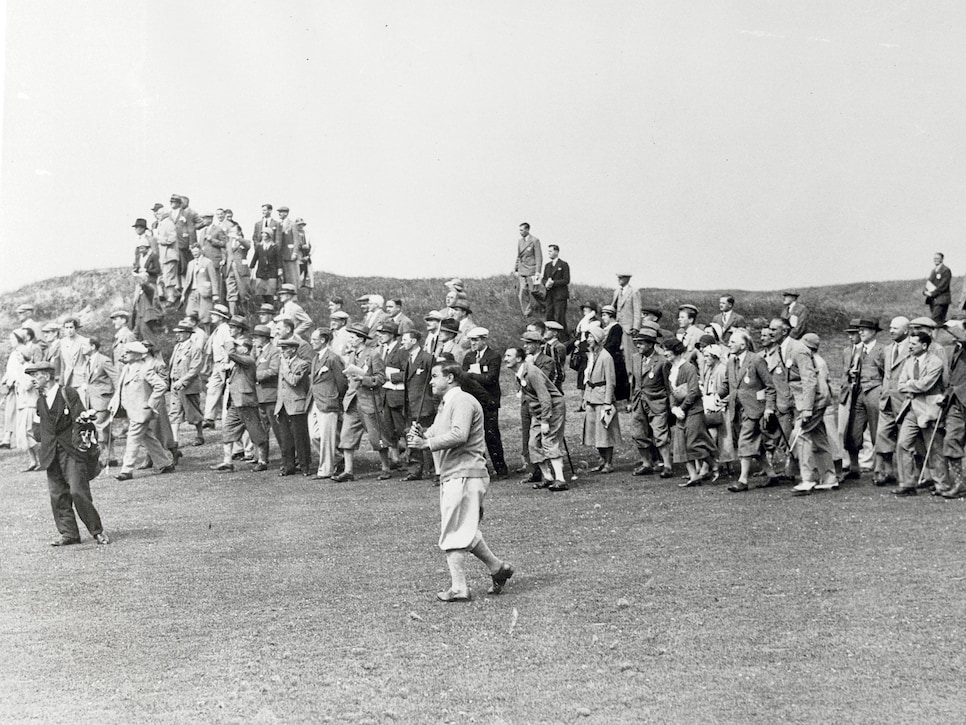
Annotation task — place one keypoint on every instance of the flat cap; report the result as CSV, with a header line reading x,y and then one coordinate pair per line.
x,y
288,342
688,307
476,332
554,325
266,308
25,307
388,327
50,327
39,366
339,315
811,341
283,208
359,331
923,322
790,293
288,288
433,315
136,347
120,313
531,337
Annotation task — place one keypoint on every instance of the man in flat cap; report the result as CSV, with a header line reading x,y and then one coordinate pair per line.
x,y
304,247
338,324
139,391
865,386
267,363
184,371
59,409
651,389
237,274
528,267
557,350
483,364
556,278
796,313
954,439
123,334
432,320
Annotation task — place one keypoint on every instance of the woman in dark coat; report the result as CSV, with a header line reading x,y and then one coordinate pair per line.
x,y
692,443
614,344
577,347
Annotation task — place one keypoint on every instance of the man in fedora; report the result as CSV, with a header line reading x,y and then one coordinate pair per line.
x,y
58,409
288,297
483,364
866,386
394,395
796,313
217,358
448,330
202,284
528,267
140,391
363,403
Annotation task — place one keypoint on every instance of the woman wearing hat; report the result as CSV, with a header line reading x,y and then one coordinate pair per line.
x,y
577,347
691,440
601,424
614,344
265,266
715,409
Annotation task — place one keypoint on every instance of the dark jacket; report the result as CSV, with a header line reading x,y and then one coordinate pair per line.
x,y
58,426
489,376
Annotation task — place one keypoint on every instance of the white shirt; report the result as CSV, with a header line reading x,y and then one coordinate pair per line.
x,y
51,393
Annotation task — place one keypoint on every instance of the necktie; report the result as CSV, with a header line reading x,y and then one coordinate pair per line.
x,y
915,369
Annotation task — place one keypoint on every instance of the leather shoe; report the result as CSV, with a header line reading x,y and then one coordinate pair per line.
x,y
259,467
884,480
667,473
222,467
124,477
412,477
643,471
64,541
240,456
286,472
167,469
501,578
317,477
450,596
198,441
102,538
384,475
905,491
343,477
738,487
558,486
146,465
692,482
31,467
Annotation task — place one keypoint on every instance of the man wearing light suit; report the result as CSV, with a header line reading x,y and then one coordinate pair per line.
x,y
627,305
890,402
73,368
328,385
529,264
97,390
288,256
140,390
202,285
556,278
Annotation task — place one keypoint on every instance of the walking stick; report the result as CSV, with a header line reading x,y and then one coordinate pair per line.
x,y
932,439
573,473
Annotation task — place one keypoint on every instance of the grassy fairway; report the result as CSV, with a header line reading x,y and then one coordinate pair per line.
x,y
249,598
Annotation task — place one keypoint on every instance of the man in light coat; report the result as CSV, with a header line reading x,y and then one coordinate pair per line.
x,y
528,267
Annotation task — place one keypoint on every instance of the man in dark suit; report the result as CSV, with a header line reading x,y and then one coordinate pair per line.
x,y
394,410
483,364
58,409
937,289
727,318
420,402
650,403
795,313
556,278
267,223
292,409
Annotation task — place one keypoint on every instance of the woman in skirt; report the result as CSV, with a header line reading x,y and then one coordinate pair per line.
x,y
601,425
692,443
715,409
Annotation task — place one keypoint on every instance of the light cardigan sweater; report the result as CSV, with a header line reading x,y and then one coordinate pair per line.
x,y
457,435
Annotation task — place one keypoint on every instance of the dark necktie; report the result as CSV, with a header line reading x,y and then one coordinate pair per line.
x,y
915,369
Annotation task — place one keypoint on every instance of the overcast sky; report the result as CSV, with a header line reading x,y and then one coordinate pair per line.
x,y
711,144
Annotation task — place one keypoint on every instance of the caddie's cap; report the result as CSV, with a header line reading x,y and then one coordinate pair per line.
x,y
359,331
811,341
288,289
923,322
388,327
39,366
221,310
478,332
262,331
531,337
136,347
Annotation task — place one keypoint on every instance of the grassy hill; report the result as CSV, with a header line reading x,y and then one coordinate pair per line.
x,y
91,295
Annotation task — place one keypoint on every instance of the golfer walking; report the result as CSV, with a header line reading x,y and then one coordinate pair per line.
x,y
457,435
